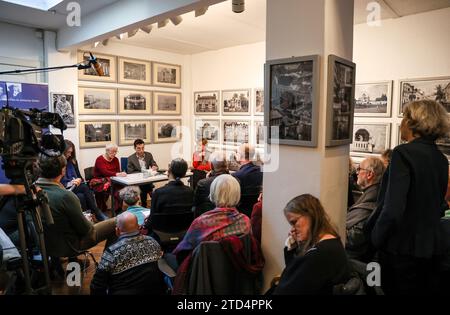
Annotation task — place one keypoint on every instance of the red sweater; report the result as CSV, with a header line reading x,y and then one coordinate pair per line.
x,y
103,168
199,162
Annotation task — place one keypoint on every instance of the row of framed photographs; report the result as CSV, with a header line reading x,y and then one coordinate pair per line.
x,y
98,133
131,71
374,99
230,132
234,102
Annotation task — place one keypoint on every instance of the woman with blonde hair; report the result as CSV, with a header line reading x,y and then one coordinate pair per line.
x,y
405,226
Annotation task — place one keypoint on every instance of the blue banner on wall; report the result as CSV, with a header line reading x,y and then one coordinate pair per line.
x,y
23,96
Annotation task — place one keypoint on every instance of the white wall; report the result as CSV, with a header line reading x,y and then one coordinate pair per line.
x,y
415,46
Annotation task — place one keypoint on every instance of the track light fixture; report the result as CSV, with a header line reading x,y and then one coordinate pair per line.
x,y
105,42
200,11
238,6
96,44
163,23
176,20
121,36
132,33
147,29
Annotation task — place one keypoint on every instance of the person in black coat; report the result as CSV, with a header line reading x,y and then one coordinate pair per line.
x,y
405,226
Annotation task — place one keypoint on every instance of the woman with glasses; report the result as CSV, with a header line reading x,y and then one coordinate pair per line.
x,y
314,254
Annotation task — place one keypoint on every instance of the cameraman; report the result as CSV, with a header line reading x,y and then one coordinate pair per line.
x,y
71,231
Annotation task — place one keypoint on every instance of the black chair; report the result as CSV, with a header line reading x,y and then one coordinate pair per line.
x,y
88,173
170,228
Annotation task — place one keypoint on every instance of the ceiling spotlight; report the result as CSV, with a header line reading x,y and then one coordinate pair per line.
x,y
200,11
105,42
238,6
121,36
176,20
163,23
147,29
132,33
96,44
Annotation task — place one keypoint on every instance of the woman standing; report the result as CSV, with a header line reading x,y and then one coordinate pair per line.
x,y
406,224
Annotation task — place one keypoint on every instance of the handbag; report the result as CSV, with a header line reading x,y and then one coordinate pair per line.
x,y
100,184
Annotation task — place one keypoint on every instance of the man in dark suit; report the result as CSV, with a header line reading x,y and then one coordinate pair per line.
x,y
250,178
139,161
202,203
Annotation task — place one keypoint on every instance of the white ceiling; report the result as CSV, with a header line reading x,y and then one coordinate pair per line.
x,y
218,28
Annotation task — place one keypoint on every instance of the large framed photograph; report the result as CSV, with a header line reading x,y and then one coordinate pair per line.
x,y
107,63
130,130
259,101
373,99
96,101
436,89
166,103
370,138
134,71
291,100
207,129
236,102
135,102
96,134
166,131
340,101
63,104
206,103
235,132
166,75
259,134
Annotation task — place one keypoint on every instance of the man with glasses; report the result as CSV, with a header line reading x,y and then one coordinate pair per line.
x,y
369,172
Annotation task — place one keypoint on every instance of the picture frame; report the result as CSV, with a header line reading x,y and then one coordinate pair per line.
x,y
134,71
166,103
292,122
236,102
97,133
235,132
135,102
97,100
63,104
130,130
340,101
258,94
259,133
165,131
443,144
108,64
370,138
373,99
208,129
206,103
433,88
166,75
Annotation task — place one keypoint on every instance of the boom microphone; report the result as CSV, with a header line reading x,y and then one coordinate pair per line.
x,y
96,65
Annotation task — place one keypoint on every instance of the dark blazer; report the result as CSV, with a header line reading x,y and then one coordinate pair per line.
x,y
135,167
172,198
407,219
202,203
251,179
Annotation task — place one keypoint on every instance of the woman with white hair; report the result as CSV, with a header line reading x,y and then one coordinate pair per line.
x,y
131,195
106,165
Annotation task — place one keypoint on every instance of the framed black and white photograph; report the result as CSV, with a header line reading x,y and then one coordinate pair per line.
x,y
236,102
259,134
130,130
373,99
96,101
291,100
166,103
436,89
370,138
166,131
235,132
135,102
206,103
259,101
207,129
340,101
166,75
134,71
63,104
96,134
107,63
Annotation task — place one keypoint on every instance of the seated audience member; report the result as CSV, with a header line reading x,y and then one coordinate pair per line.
x,y
131,196
71,230
202,203
106,165
370,172
129,266
175,196
250,179
201,159
386,157
139,161
315,257
72,177
256,219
